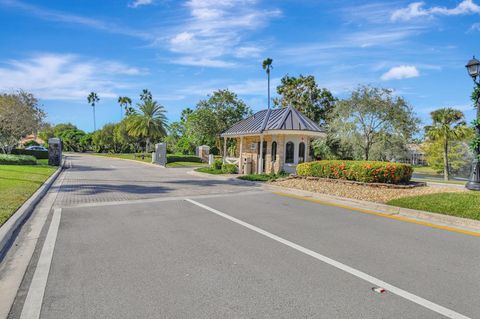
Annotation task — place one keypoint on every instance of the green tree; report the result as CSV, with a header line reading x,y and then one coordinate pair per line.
x,y
93,99
146,95
125,103
149,124
267,66
19,116
213,116
448,125
371,117
459,156
304,94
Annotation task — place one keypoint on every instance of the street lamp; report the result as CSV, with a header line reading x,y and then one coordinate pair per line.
x,y
473,68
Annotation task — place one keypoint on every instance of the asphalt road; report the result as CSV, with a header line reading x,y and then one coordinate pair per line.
x,y
128,240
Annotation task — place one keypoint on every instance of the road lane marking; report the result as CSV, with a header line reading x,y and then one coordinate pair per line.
x,y
357,273
371,212
33,303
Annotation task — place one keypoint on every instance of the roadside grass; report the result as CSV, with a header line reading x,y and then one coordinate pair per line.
x,y
148,159
262,177
18,183
425,170
130,156
464,204
209,170
186,164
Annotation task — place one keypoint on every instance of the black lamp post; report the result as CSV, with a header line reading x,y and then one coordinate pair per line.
x,y
473,68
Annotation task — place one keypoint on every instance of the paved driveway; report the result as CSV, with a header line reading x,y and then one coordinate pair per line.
x,y
129,240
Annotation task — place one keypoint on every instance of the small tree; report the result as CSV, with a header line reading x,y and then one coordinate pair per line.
x,y
19,116
150,123
370,117
448,125
93,99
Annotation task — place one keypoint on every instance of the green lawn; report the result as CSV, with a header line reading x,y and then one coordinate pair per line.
x,y
186,164
209,170
18,183
466,205
148,159
130,156
425,170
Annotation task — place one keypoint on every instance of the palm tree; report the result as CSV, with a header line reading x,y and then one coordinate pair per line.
x,y
146,95
124,102
267,66
92,99
447,125
150,123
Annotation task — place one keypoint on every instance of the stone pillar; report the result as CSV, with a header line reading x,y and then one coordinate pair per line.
x,y
54,151
211,159
225,149
240,157
160,155
260,161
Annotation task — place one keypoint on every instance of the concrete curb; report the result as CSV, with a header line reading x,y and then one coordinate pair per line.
x,y
9,230
444,220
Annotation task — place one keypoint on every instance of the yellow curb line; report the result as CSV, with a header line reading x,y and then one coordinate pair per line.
x,y
366,211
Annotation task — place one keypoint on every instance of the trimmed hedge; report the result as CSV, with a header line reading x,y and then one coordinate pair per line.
x,y
183,158
360,171
217,164
8,159
36,154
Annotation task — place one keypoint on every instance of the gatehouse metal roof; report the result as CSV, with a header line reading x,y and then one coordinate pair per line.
x,y
285,118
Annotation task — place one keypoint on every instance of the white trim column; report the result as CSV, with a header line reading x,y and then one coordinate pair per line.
x,y
260,161
225,149
240,157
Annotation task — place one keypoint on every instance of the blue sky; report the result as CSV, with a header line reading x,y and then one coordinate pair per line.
x,y
183,50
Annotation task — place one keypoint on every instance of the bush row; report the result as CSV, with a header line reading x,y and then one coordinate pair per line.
x,y
360,171
36,154
183,158
8,159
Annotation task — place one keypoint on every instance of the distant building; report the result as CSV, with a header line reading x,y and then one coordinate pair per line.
x,y
415,155
31,137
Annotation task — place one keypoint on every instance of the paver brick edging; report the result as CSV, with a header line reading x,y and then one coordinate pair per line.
x,y
9,230
344,181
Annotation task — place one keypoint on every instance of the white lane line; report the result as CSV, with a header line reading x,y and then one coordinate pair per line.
x,y
375,281
33,302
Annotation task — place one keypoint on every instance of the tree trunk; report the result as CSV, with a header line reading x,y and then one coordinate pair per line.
x,y
147,145
445,161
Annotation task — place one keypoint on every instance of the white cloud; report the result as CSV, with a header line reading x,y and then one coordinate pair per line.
x,y
63,17
401,72
475,27
138,3
215,32
416,9
65,76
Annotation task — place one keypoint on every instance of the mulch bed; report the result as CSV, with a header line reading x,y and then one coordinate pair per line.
x,y
344,181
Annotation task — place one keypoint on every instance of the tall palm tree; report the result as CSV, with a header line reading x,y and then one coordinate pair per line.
x,y
447,125
93,99
146,95
124,102
149,123
267,66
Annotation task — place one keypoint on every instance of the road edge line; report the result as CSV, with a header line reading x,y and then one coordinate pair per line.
x,y
357,273
33,302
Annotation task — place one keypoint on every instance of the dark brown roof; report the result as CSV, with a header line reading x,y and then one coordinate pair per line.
x,y
285,118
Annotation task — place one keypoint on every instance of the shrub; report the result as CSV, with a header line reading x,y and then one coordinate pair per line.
x,y
217,164
229,168
360,171
8,159
183,158
30,143
36,154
